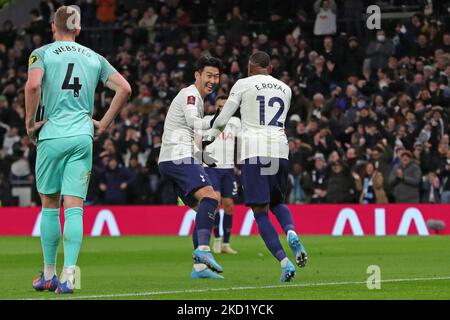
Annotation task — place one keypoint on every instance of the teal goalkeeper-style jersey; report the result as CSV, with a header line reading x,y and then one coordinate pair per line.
x,y
71,74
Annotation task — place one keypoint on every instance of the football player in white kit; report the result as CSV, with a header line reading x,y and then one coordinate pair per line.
x,y
264,103
223,178
178,162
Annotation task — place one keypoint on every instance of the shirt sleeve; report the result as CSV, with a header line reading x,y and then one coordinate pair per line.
x,y
106,69
236,92
190,108
36,59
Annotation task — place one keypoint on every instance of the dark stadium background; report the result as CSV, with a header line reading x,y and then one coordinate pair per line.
x,y
401,104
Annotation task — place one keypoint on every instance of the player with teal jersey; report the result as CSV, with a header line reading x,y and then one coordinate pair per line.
x,y
62,78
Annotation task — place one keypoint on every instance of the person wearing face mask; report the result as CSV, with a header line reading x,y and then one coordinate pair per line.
x,y
379,51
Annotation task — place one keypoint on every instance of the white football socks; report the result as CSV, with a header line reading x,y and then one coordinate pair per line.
x,y
49,271
290,231
199,267
284,262
68,274
204,248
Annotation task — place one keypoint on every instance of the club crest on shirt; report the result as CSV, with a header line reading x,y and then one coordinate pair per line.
x,y
32,60
190,100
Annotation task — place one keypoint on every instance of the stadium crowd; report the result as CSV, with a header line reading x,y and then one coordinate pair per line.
x,y
368,121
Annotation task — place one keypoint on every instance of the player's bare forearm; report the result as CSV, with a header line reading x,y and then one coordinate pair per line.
x,y
122,89
32,96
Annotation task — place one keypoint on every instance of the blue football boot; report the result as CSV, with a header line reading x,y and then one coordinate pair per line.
x,y
40,284
301,257
64,288
288,272
207,258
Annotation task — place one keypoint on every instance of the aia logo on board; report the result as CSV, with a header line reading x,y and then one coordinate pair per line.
x,y
190,100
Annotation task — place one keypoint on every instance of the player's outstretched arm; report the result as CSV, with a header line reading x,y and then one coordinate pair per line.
x,y
219,123
122,88
193,120
32,98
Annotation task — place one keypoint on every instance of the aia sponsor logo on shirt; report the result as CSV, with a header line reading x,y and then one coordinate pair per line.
x,y
191,100
226,135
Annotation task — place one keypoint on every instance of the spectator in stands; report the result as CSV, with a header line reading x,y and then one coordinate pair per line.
x,y
326,17
370,185
319,179
342,107
9,140
379,51
431,189
298,180
8,34
38,25
405,179
115,182
340,185
148,22
139,189
353,58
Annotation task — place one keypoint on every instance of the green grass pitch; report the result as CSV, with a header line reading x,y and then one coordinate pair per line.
x,y
156,267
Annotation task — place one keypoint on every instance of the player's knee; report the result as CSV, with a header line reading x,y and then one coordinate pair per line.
x,y
51,200
210,193
213,196
71,202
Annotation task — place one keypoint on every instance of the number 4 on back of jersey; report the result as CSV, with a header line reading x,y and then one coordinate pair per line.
x,y
75,86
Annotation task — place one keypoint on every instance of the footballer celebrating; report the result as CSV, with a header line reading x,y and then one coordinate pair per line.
x,y
66,74
178,161
264,103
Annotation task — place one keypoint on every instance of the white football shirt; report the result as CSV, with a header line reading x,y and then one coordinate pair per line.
x,y
184,115
264,103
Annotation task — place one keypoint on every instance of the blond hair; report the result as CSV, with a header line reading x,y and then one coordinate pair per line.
x,y
67,19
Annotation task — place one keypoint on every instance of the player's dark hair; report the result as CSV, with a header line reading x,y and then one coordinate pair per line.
x,y
222,97
208,61
260,59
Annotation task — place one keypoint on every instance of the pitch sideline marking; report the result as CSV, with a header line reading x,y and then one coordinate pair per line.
x,y
299,285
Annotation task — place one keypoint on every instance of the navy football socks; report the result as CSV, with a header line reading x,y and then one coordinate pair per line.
x,y
269,235
283,216
204,220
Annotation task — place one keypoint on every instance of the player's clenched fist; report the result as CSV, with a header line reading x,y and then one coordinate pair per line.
x,y
98,127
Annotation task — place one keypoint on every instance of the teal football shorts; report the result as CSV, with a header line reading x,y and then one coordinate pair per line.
x,y
64,165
